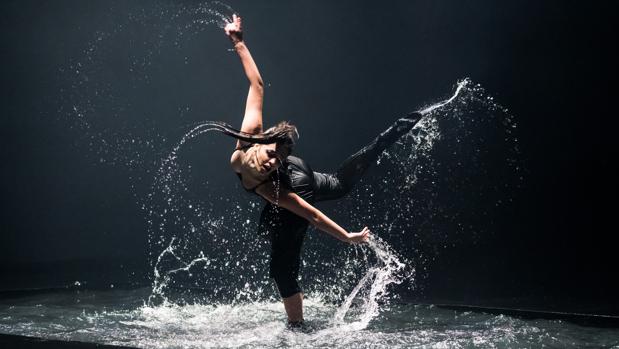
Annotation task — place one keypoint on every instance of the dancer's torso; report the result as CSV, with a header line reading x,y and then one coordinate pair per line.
x,y
294,175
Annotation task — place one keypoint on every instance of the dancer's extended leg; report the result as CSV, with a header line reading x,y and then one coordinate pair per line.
x,y
334,186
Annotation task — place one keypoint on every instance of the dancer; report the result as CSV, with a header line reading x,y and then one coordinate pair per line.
x,y
263,163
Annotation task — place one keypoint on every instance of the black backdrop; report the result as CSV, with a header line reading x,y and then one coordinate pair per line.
x,y
549,62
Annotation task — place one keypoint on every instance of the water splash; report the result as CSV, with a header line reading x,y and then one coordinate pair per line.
x,y
388,270
162,280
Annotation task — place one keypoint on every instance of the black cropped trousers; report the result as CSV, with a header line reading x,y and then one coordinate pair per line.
x,y
287,230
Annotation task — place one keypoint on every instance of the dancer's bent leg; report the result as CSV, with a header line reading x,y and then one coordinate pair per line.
x,y
334,186
287,232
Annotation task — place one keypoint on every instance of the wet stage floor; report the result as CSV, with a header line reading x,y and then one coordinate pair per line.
x,y
121,318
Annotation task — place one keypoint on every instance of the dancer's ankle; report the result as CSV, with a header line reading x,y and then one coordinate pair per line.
x,y
295,324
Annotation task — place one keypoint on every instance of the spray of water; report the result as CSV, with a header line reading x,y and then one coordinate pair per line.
x,y
108,115
375,284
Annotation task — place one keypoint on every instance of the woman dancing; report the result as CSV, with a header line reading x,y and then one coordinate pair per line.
x,y
264,165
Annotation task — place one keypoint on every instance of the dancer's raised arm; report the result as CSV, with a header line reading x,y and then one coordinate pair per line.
x,y
252,120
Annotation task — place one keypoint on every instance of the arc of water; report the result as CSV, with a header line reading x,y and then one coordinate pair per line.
x,y
161,282
387,271
343,309
461,85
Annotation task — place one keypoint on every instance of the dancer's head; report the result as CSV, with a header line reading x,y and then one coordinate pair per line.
x,y
270,150
283,136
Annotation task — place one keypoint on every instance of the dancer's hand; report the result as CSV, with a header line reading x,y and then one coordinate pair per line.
x,y
234,30
360,237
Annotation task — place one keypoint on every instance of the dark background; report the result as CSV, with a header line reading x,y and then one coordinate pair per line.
x,y
65,216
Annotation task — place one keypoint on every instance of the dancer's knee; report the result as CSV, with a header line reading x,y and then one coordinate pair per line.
x,y
329,186
287,284
345,187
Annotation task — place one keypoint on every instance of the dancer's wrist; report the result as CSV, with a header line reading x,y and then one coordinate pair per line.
x,y
235,38
359,237
236,43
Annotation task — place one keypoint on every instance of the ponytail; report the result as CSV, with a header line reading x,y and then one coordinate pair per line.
x,y
283,133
